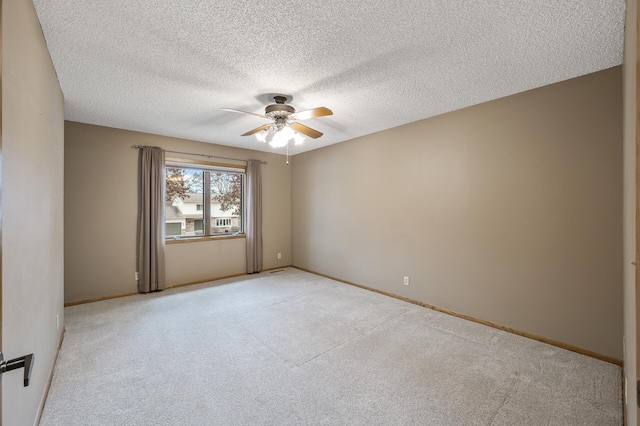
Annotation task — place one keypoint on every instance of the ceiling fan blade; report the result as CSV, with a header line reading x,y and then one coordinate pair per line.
x,y
301,128
243,112
257,129
312,113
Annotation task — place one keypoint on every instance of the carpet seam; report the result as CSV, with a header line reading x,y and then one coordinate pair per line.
x,y
259,309
504,401
327,351
363,334
390,319
284,361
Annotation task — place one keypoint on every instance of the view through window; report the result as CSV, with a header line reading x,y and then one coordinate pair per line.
x,y
203,202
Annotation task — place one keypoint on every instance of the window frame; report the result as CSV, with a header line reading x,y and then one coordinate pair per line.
x,y
208,223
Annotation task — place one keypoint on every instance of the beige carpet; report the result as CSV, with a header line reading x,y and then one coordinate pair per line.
x,y
292,348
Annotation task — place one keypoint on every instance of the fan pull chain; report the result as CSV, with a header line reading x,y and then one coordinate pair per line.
x,y
287,153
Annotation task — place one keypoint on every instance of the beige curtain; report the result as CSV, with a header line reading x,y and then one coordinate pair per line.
x,y
151,220
254,217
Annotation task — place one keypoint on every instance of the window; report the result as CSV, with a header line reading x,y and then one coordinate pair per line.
x,y
223,222
203,200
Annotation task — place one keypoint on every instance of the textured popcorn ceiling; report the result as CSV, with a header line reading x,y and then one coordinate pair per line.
x,y
168,66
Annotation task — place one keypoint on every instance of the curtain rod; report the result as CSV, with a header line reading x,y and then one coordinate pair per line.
x,y
192,153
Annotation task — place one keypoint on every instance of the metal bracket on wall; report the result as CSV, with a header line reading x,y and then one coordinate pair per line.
x,y
25,362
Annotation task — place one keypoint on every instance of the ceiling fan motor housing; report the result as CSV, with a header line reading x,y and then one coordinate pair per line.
x,y
279,110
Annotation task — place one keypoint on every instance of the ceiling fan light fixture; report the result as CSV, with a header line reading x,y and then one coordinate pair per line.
x,y
298,138
279,140
262,135
282,137
287,132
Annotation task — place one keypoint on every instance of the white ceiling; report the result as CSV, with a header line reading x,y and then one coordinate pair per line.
x,y
167,66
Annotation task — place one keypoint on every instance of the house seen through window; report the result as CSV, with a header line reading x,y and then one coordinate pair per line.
x,y
203,201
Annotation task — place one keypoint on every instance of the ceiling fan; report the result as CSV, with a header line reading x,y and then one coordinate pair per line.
x,y
285,124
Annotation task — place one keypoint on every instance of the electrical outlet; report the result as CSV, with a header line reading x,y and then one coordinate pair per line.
x,y
137,277
406,280
279,255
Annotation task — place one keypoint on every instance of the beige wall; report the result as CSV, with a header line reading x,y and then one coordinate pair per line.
x,y
630,94
508,211
32,202
101,213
